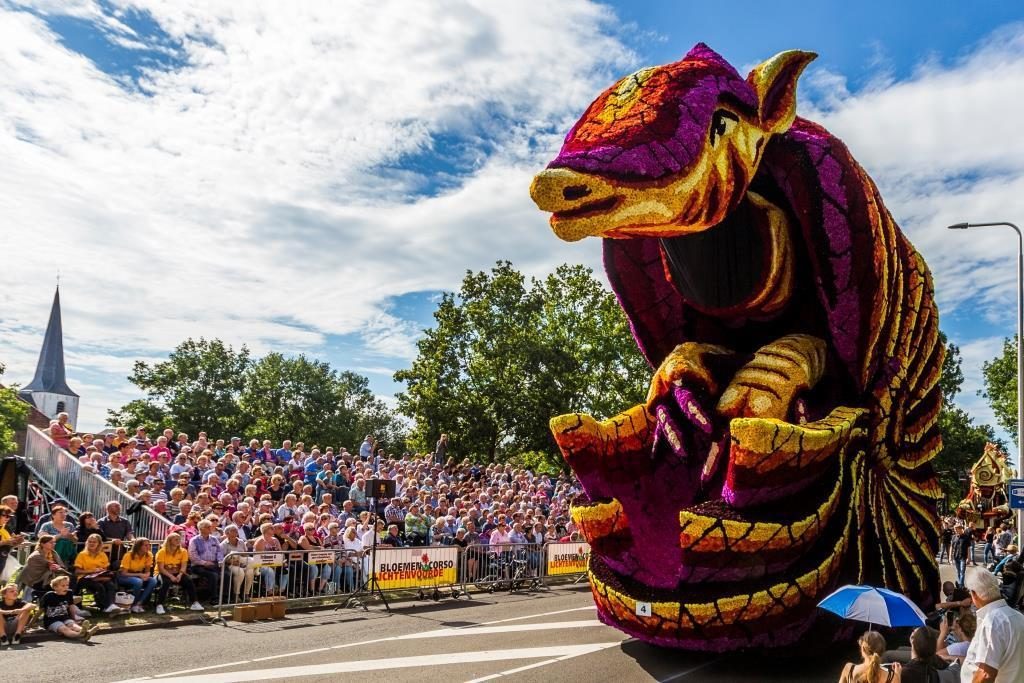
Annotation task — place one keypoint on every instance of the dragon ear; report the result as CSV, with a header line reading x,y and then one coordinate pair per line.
x,y
774,81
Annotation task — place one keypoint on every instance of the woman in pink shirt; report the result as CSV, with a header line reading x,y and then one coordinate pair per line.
x,y
60,433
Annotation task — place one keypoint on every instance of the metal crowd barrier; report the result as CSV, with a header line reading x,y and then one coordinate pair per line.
x,y
304,575
509,566
293,575
84,490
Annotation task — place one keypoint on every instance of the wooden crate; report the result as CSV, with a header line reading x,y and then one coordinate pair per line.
x,y
244,613
264,608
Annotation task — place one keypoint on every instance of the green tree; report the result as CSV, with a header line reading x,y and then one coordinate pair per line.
x,y
299,398
290,398
207,386
962,440
1001,386
140,413
195,389
13,414
506,355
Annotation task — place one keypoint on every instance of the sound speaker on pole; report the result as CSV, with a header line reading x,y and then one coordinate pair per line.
x,y
380,488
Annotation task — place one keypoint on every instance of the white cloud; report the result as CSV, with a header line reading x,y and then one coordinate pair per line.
x,y
257,193
253,194
974,354
944,147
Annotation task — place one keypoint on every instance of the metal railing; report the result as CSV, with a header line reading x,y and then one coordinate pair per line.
x,y
86,491
508,567
291,575
302,575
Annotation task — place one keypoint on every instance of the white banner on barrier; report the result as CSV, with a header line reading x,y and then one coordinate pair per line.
x,y
567,558
320,557
268,559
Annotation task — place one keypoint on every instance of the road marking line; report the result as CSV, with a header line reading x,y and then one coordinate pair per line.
x,y
395,663
537,665
516,628
425,634
532,616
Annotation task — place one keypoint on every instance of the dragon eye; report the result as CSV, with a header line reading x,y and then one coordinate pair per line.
x,y
722,122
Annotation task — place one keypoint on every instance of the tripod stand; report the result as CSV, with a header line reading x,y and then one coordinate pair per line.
x,y
370,585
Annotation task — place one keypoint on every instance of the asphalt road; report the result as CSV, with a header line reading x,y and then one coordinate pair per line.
x,y
540,637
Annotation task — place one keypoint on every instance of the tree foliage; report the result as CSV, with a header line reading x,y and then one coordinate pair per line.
x,y
506,355
962,440
1001,386
208,386
288,398
195,389
13,414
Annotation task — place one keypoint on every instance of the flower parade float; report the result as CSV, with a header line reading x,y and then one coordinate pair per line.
x,y
987,502
784,445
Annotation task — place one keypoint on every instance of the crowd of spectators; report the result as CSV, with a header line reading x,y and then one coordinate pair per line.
x,y
979,639
226,499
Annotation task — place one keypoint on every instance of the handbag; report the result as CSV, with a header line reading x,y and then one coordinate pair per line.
x,y
11,567
122,599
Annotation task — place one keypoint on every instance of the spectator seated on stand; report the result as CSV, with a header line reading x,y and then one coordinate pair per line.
x,y
136,573
172,568
93,574
206,556
41,567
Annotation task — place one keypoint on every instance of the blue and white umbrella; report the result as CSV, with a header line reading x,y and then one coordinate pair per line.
x,y
873,605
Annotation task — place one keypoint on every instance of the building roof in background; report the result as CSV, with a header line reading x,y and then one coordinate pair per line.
x,y
50,376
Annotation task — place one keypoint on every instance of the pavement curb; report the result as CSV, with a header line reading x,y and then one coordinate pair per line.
x,y
207,617
41,634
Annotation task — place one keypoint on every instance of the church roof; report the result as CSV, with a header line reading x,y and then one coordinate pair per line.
x,y
50,371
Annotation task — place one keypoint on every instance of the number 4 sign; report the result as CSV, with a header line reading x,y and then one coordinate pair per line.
x,y
643,609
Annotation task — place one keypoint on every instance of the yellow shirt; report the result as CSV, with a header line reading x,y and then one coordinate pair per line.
x,y
137,565
172,562
90,564
5,535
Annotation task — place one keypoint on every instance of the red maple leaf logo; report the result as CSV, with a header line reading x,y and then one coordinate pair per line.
x,y
424,558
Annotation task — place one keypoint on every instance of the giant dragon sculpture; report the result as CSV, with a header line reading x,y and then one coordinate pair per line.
x,y
784,445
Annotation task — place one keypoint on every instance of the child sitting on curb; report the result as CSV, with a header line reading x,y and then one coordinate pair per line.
x,y
59,611
15,614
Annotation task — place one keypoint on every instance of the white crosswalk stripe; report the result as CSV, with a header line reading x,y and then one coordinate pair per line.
x,y
550,654
464,653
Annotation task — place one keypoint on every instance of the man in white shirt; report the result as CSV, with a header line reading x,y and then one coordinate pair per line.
x,y
996,654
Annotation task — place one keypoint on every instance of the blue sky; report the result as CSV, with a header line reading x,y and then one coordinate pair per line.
x,y
309,180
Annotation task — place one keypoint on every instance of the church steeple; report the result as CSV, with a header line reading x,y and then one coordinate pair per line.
x,y
49,390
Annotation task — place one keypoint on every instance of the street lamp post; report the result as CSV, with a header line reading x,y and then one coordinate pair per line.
x,y
1020,347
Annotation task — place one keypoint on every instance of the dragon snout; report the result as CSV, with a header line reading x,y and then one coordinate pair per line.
x,y
556,190
574,199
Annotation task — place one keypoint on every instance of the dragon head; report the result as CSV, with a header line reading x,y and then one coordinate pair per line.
x,y
668,150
